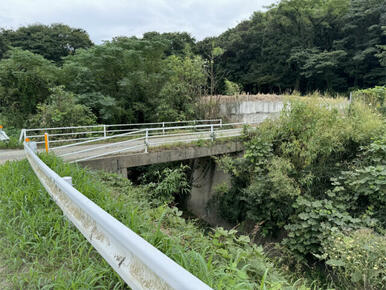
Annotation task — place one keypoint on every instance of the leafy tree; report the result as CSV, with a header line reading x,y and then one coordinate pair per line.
x,y
53,42
186,83
360,36
25,80
320,68
61,109
177,43
231,88
210,51
3,46
124,73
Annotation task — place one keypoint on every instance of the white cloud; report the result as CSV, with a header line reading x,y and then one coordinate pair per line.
x,y
104,19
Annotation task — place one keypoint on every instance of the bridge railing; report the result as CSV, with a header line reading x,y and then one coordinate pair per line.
x,y
81,133
137,262
141,140
3,135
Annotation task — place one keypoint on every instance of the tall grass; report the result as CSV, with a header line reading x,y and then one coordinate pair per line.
x,y
40,248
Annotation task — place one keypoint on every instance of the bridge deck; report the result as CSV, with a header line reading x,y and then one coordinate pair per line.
x,y
120,163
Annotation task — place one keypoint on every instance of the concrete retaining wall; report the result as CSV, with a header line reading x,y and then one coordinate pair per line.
x,y
251,111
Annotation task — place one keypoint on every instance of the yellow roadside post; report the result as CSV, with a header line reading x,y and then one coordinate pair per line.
x,y
46,141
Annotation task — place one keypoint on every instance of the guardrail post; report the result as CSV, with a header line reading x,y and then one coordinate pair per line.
x,y
212,133
146,140
47,142
221,123
163,128
33,146
104,131
68,179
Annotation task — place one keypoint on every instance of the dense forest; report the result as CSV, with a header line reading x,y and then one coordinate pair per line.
x,y
333,46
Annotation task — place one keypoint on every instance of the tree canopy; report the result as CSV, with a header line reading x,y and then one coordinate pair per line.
x,y
305,45
51,41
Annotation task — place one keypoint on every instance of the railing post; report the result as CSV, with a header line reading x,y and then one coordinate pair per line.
x,y
146,140
47,142
220,123
22,136
104,131
212,133
163,128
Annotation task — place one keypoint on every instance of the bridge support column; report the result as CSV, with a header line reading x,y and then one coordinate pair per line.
x,y
123,172
206,177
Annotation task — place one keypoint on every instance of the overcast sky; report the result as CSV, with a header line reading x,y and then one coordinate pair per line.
x,y
104,19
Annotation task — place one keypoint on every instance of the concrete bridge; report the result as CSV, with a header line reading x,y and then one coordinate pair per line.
x,y
117,151
120,163
122,146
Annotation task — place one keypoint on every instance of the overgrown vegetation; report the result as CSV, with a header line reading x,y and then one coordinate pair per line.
x,y
316,172
357,259
40,248
374,97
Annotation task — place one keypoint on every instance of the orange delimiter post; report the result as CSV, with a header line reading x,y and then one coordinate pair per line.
x,y
46,141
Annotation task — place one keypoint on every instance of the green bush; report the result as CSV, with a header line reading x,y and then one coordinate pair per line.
x,y
61,110
168,184
374,97
287,180
358,259
231,88
362,189
313,224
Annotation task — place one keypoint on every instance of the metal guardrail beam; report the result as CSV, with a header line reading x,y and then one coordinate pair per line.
x,y
140,265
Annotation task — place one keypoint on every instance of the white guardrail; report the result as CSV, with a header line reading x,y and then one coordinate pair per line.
x,y
78,133
144,139
140,265
137,141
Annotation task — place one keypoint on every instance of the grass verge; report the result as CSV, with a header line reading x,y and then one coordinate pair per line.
x,y
39,248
